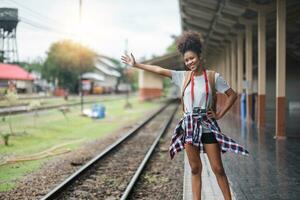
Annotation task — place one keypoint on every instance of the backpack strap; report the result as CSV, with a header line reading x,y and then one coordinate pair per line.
x,y
212,83
187,80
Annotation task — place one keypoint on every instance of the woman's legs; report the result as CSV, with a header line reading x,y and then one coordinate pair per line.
x,y
193,154
214,156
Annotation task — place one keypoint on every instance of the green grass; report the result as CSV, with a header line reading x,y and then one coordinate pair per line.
x,y
10,173
51,101
51,128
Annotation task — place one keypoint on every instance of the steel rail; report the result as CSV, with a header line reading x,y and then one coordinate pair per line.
x,y
146,158
58,189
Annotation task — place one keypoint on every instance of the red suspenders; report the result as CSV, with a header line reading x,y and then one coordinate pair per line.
x,y
206,88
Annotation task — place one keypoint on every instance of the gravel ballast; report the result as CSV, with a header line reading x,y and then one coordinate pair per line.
x,y
163,178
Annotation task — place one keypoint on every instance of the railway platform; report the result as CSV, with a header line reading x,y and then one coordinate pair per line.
x,y
270,172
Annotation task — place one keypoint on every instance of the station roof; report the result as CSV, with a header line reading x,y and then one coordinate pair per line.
x,y
14,72
107,66
169,61
106,70
219,21
92,76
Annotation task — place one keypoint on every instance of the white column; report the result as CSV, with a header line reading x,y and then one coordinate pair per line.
x,y
261,68
223,64
249,69
240,61
228,64
233,64
280,68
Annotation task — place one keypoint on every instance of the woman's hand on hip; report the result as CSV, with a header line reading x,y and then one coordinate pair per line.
x,y
212,114
129,60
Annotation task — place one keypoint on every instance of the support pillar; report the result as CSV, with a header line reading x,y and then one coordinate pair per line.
x,y
227,68
261,68
223,64
280,68
233,71
150,85
233,64
240,65
249,70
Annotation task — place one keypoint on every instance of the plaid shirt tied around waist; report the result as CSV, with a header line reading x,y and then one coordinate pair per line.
x,y
189,130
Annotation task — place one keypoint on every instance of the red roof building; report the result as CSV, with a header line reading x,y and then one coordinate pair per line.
x,y
14,72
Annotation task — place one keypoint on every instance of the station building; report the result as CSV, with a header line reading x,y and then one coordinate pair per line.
x,y
16,75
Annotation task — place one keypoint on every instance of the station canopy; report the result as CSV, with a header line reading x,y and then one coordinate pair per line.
x,y
170,61
219,21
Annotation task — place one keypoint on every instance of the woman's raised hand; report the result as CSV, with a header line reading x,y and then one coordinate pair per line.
x,y
129,60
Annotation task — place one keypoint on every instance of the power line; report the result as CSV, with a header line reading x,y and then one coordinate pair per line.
x,y
37,13
53,26
43,27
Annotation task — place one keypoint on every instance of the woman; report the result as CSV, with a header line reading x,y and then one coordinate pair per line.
x,y
198,130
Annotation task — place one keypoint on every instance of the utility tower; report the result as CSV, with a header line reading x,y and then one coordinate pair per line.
x,y
8,29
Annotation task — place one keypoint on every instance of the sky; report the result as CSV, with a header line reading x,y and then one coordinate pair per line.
x,y
105,25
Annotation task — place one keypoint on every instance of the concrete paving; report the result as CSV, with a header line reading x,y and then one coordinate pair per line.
x,y
270,172
272,169
210,188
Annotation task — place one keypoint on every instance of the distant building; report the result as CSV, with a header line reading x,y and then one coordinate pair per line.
x,y
103,78
90,83
41,85
150,84
108,69
14,73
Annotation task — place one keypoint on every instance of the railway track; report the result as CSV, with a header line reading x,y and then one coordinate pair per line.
x,y
25,109
113,173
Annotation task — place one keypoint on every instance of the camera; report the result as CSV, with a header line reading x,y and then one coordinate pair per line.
x,y
198,110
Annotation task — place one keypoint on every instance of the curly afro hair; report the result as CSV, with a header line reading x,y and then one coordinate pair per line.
x,y
189,41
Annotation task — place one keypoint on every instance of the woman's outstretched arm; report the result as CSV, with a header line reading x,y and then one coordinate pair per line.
x,y
130,60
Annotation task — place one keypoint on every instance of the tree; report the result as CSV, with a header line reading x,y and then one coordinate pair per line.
x,y
1,56
36,65
65,62
128,75
11,98
172,47
120,68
